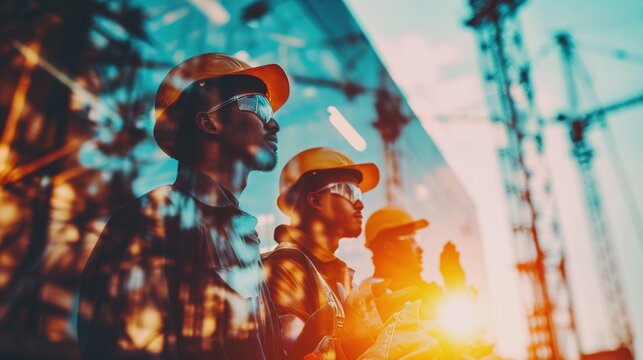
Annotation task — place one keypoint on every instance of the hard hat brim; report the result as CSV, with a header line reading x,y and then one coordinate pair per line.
x,y
370,179
277,92
397,230
409,227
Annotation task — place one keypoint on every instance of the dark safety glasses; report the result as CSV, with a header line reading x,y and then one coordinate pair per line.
x,y
253,102
347,190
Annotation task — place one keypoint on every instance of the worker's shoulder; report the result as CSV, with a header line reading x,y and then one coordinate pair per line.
x,y
156,199
286,258
157,202
166,195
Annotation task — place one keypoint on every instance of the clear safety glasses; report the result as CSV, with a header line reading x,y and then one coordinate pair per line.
x,y
253,102
349,191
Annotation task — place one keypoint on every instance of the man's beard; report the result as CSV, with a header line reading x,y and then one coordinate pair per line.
x,y
351,232
262,160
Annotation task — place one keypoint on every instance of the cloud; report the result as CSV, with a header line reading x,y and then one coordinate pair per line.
x,y
421,69
414,62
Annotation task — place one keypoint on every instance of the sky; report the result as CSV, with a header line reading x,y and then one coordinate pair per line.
x,y
434,59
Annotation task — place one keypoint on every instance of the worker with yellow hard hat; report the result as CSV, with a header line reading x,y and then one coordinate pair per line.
x,y
320,190
397,261
177,273
397,258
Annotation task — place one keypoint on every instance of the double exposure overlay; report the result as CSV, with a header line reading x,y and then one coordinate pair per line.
x,y
304,179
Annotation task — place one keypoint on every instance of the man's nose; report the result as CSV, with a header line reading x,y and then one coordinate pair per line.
x,y
272,126
359,205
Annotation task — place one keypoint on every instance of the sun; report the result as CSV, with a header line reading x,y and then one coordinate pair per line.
x,y
459,317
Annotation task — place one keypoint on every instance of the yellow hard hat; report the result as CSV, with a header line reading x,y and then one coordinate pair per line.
x,y
210,66
391,218
320,159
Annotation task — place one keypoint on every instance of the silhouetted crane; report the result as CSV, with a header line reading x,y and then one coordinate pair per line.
x,y
539,245
583,153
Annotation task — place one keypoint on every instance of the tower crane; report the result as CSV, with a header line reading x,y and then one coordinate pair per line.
x,y
537,238
583,153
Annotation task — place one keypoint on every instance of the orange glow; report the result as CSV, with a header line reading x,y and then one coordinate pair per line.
x,y
17,173
144,328
9,212
57,295
75,86
18,104
67,175
56,328
209,326
5,277
460,317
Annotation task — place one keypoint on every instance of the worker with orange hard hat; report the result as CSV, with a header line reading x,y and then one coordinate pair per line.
x,y
177,273
320,190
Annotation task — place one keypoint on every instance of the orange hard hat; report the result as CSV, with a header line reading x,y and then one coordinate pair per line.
x,y
391,218
321,159
209,66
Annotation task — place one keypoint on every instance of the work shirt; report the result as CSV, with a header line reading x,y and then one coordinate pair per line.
x,y
177,274
293,271
337,275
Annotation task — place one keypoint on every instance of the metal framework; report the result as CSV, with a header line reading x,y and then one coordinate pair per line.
x,y
390,123
538,242
583,153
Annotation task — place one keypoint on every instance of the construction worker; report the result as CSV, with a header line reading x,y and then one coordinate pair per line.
x,y
320,190
177,274
397,261
418,306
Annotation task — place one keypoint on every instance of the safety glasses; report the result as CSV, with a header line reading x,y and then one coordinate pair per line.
x,y
253,102
347,190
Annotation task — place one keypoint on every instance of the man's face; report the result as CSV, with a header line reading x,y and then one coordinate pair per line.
x,y
410,253
242,118
403,252
340,213
254,141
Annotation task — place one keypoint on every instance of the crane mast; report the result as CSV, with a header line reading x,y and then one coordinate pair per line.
x,y
583,154
533,212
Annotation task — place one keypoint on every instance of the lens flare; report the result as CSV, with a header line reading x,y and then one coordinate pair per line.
x,y
459,316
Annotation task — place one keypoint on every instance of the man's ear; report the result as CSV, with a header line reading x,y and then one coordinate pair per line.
x,y
313,200
208,123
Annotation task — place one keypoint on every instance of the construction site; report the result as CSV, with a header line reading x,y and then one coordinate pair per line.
x,y
509,128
